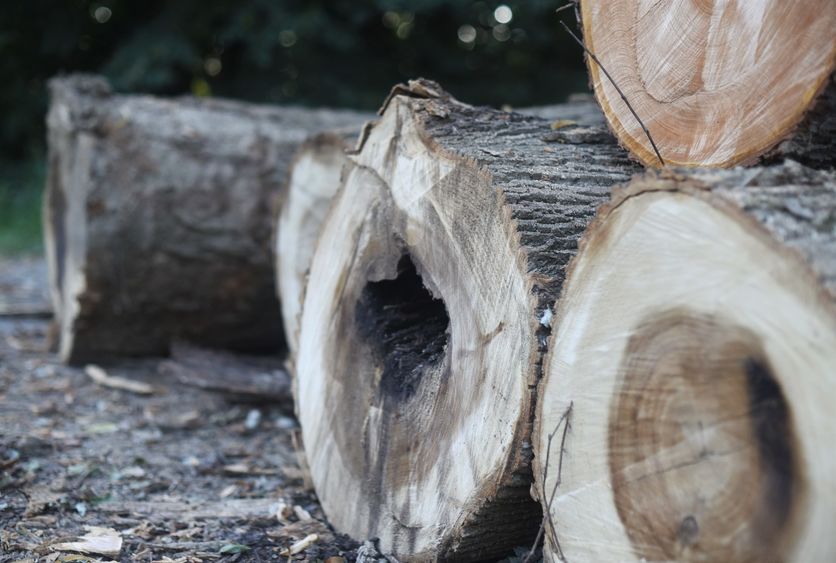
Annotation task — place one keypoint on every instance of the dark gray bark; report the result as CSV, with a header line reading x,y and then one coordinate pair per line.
x,y
159,215
794,203
552,181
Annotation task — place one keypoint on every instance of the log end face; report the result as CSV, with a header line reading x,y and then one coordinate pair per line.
x,y
714,84
702,449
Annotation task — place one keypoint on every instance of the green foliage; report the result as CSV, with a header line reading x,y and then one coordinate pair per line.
x,y
312,52
337,53
20,206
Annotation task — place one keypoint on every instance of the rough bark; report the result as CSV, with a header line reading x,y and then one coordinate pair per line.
x,y
426,318
159,214
715,84
695,343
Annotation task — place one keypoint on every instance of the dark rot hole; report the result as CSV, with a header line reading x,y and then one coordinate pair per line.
x,y
406,328
773,431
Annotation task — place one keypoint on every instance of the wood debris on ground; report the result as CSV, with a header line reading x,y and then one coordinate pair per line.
x,y
153,467
101,377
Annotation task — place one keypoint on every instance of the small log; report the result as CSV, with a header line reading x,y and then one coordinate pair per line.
x,y
250,378
158,218
314,180
696,344
716,84
425,321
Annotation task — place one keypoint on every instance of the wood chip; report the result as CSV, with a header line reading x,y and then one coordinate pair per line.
x,y
283,513
244,469
97,540
301,545
302,514
101,377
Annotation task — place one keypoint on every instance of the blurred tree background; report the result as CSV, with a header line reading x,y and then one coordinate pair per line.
x,y
334,53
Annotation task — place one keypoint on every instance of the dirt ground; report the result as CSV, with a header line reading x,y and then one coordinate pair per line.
x,y
182,474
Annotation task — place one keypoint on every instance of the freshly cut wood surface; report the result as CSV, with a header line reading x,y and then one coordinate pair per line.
x,y
696,344
426,317
315,177
314,180
716,83
159,215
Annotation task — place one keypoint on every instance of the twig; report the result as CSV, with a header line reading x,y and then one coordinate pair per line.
x,y
101,377
548,515
617,89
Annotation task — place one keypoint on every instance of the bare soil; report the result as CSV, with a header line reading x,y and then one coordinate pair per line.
x,y
183,474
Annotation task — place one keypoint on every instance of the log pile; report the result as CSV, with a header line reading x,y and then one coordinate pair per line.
x,y
315,178
502,331
432,281
159,215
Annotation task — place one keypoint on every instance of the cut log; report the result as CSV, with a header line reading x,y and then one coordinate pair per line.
x,y
426,317
158,218
696,344
716,84
314,180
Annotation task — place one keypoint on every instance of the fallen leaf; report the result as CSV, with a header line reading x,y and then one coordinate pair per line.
x,y
98,540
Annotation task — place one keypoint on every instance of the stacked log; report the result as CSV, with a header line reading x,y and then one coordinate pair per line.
x,y
678,410
715,84
426,318
316,175
314,180
693,362
159,216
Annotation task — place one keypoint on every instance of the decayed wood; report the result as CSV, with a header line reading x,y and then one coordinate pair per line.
x,y
426,318
696,344
314,180
716,84
159,214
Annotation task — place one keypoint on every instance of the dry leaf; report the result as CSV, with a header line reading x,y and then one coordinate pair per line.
x,y
101,541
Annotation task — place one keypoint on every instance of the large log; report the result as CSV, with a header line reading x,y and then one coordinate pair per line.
x,y
314,180
159,214
426,317
715,83
696,345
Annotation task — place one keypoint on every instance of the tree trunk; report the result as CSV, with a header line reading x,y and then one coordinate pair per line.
x,y
426,317
314,179
715,84
158,218
695,342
